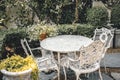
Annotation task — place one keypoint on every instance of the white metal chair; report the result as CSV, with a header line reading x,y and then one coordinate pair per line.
x,y
88,61
109,37
46,62
29,51
65,61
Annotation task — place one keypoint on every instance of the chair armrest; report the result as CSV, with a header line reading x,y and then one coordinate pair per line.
x,y
73,60
42,59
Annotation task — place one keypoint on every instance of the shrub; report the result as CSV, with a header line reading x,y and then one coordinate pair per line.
x,y
85,30
3,33
66,29
76,29
97,16
115,16
12,40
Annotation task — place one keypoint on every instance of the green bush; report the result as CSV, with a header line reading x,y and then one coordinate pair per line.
x,y
12,30
85,30
66,29
115,16
3,33
12,40
76,29
97,16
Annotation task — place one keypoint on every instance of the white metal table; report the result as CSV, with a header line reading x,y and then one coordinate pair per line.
x,y
65,44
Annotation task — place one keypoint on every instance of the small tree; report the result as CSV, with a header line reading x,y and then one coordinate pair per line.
x,y
97,16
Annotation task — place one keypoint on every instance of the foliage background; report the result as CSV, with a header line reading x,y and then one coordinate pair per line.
x,y
97,16
115,17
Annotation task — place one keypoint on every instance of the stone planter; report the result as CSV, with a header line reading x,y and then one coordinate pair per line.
x,y
24,75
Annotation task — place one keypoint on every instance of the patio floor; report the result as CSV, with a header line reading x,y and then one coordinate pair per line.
x,y
112,62
71,76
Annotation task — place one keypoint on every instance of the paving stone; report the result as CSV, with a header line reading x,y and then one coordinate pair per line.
x,y
111,60
116,76
96,76
71,76
44,76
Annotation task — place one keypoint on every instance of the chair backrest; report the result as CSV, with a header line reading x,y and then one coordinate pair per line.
x,y
29,51
92,53
105,35
26,47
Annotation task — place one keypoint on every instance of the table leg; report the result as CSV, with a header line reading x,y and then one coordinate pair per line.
x,y
59,65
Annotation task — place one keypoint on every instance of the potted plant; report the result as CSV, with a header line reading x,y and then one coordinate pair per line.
x,y
40,31
19,68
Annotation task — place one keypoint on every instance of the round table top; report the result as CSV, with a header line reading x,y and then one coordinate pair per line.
x,y
65,43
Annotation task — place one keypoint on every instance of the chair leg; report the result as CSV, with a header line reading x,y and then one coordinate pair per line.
x,y
87,75
77,76
65,73
58,74
100,75
105,67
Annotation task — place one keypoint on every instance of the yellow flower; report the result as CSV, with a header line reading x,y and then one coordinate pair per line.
x,y
17,63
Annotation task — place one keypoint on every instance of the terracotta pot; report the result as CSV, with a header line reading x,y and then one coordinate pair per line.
x,y
43,36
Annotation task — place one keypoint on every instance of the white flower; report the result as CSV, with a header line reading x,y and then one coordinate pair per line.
x,y
36,30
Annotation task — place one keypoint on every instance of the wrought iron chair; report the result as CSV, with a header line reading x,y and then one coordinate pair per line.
x,y
29,51
109,37
46,62
65,60
88,61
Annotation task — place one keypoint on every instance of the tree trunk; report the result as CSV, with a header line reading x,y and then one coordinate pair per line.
x,y
76,11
